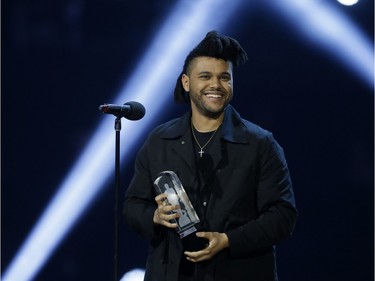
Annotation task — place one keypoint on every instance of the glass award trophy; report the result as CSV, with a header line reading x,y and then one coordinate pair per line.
x,y
168,182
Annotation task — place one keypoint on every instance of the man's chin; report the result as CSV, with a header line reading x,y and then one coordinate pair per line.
x,y
215,114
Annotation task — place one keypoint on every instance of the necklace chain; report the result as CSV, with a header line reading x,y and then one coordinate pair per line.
x,y
201,152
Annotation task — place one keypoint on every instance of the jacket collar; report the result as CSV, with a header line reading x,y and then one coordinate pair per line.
x,y
233,129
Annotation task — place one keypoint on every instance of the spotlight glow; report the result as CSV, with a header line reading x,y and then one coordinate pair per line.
x,y
134,275
332,30
160,67
152,84
348,2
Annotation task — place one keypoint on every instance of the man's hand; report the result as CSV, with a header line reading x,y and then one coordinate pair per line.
x,y
217,242
162,214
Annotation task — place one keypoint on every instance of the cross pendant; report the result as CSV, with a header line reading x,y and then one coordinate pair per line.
x,y
201,152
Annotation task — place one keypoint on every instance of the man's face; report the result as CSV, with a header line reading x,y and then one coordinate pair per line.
x,y
210,86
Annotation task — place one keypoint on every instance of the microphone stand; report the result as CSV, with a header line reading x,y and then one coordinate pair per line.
x,y
132,111
117,197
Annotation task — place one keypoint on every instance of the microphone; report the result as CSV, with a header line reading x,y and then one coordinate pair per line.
x,y
131,110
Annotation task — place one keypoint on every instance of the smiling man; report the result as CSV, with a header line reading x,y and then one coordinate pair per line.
x,y
209,84
234,173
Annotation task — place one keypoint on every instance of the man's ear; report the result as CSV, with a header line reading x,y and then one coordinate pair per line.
x,y
185,82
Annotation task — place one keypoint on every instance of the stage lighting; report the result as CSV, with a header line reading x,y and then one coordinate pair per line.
x,y
156,73
134,275
348,2
323,24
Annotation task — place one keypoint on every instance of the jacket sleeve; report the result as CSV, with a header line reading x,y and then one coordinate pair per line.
x,y
139,205
275,203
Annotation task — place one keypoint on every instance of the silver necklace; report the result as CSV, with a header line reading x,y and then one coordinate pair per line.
x,y
201,152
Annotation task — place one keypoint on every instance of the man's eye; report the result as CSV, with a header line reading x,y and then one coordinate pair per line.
x,y
225,78
205,77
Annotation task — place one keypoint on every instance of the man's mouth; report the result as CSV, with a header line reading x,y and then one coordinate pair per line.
x,y
214,95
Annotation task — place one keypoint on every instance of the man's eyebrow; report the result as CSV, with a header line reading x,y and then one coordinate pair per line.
x,y
209,72
204,72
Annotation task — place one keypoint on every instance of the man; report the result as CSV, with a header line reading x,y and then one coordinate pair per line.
x,y
233,171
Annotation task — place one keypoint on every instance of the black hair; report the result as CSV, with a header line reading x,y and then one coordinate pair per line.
x,y
216,46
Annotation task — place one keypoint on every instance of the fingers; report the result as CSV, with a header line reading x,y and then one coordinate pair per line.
x,y
217,242
198,256
203,254
164,213
161,199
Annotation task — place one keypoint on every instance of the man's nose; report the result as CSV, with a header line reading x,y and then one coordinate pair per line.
x,y
215,82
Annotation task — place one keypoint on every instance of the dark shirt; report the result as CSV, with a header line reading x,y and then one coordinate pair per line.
x,y
243,189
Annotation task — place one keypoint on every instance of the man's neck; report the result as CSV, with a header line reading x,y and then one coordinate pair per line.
x,y
205,124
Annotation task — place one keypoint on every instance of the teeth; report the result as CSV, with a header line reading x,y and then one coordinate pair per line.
x,y
214,96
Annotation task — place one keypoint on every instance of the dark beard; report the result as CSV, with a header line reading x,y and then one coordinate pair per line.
x,y
203,109
214,115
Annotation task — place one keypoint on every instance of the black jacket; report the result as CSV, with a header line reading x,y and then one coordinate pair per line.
x,y
251,198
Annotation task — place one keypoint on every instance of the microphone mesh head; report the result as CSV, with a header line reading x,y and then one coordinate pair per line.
x,y
137,110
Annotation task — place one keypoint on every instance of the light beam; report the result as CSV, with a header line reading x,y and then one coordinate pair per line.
x,y
332,30
151,85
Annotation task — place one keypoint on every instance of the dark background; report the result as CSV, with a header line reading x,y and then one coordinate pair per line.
x,y
61,59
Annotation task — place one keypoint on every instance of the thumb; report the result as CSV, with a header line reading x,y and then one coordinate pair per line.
x,y
201,234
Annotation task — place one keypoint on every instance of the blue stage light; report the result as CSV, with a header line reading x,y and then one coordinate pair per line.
x,y
136,274
151,85
348,2
326,26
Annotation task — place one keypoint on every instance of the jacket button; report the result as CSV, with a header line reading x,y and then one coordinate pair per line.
x,y
205,203
183,142
218,172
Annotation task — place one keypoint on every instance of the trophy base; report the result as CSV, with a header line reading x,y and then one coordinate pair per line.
x,y
192,243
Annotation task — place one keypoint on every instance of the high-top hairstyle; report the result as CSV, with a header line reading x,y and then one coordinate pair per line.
x,y
216,46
